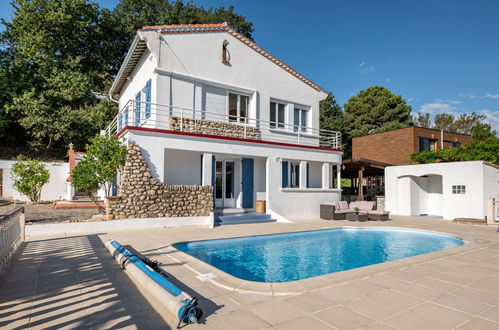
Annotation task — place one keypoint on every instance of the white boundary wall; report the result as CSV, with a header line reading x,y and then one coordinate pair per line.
x,y
55,189
67,228
403,191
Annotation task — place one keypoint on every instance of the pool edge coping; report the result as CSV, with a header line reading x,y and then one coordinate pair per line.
x,y
232,283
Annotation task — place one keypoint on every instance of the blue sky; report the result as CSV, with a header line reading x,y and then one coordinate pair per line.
x,y
441,56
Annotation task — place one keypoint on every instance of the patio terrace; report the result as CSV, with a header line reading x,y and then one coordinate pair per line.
x,y
74,282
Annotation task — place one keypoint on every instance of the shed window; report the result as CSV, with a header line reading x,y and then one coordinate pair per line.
x,y
456,144
459,189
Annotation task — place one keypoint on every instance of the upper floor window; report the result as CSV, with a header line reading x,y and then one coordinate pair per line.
x,y
225,52
456,144
458,189
300,119
238,107
277,114
426,144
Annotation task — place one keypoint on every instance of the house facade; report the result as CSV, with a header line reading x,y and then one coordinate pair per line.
x,y
208,107
395,147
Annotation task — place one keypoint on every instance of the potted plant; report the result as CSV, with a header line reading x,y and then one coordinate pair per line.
x,y
357,210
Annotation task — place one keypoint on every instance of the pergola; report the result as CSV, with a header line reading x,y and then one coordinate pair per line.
x,y
359,168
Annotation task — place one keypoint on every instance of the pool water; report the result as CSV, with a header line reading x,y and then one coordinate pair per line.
x,y
296,256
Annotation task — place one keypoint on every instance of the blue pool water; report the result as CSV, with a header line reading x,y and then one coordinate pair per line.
x,y
295,256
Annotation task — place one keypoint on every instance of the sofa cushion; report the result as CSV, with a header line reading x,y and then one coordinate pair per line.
x,y
343,205
344,211
353,205
378,212
329,203
368,205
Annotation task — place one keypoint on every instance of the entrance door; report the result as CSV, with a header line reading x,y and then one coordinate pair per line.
x,y
224,183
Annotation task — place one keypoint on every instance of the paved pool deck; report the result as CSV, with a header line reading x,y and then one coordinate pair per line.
x,y
73,282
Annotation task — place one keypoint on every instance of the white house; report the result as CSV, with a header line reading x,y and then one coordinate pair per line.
x,y
207,106
447,190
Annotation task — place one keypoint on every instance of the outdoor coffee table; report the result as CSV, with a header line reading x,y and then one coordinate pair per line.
x,y
356,216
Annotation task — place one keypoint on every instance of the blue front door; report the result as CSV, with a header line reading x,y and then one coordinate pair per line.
x,y
247,183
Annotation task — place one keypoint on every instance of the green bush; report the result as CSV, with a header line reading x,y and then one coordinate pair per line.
x,y
28,177
486,150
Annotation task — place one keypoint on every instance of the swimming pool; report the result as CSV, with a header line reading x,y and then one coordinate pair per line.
x,y
299,255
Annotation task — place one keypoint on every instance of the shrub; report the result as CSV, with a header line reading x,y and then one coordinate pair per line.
x,y
28,177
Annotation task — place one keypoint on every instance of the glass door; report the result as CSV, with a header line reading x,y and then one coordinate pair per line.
x,y
224,183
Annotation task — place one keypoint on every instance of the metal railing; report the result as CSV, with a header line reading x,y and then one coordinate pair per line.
x,y
11,236
151,115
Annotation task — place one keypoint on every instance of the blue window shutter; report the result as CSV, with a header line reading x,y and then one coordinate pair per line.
x,y
137,109
308,175
285,174
148,98
247,183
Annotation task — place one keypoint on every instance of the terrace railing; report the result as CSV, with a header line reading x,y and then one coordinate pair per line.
x,y
173,118
11,236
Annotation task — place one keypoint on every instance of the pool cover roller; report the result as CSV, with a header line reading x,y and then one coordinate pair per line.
x,y
175,300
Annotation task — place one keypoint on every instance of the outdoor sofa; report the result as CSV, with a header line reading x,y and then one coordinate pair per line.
x,y
339,210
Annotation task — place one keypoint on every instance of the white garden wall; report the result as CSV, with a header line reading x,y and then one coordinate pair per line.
x,y
55,189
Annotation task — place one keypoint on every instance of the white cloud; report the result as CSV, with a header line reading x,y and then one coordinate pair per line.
x,y
474,96
388,79
492,118
436,108
411,99
467,95
454,102
365,68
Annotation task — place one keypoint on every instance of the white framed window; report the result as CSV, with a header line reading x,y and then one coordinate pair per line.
x,y
300,119
238,107
459,189
277,114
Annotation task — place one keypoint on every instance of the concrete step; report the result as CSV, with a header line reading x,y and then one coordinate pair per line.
x,y
251,217
472,222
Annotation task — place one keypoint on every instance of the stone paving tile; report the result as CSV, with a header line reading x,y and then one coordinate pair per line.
x,y
418,291
445,317
437,285
492,314
395,299
478,323
301,323
409,321
242,320
461,304
276,312
476,295
378,326
310,302
343,318
373,309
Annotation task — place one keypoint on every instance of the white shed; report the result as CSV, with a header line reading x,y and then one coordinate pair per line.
x,y
446,190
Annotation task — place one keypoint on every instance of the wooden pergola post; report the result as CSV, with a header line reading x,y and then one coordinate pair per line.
x,y
361,176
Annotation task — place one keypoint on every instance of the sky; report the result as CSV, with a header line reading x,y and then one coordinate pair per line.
x,y
441,56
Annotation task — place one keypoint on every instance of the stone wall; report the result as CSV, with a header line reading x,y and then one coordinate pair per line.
x,y
215,128
141,196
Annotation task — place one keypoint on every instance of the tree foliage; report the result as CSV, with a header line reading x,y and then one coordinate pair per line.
x,y
331,116
422,120
28,177
56,54
486,149
464,123
372,110
104,158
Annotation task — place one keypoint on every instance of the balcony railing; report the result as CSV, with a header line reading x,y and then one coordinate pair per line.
x,y
158,116
11,236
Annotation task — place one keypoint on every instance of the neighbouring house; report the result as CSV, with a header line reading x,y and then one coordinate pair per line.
x,y
208,107
373,152
446,190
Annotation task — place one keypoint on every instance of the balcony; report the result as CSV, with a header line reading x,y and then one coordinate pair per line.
x,y
178,120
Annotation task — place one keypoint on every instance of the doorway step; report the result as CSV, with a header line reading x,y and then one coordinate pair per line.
x,y
243,218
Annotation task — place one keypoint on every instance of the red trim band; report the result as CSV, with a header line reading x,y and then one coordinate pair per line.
x,y
167,131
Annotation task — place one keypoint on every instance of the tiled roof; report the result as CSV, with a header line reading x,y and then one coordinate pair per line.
x,y
203,28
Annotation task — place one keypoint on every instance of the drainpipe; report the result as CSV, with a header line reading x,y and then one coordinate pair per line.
x,y
441,139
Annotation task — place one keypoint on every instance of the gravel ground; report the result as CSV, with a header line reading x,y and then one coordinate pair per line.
x,y
46,213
